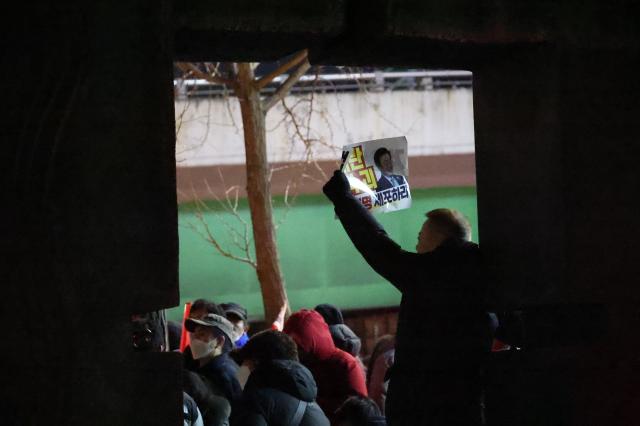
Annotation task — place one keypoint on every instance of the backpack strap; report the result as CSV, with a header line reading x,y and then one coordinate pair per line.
x,y
297,417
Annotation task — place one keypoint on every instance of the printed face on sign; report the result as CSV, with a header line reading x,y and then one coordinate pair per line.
x,y
377,172
384,161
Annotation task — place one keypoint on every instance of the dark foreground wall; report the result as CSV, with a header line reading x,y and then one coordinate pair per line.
x,y
88,213
557,148
556,104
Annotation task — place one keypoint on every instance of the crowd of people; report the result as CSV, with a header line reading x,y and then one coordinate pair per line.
x,y
307,370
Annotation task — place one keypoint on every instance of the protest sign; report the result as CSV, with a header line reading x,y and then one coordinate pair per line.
x,y
377,171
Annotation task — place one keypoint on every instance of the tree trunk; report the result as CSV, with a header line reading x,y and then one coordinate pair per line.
x,y
274,295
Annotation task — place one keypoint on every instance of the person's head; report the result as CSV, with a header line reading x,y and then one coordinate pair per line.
x,y
311,333
210,336
383,344
442,225
148,332
356,411
330,313
382,159
268,345
202,307
237,315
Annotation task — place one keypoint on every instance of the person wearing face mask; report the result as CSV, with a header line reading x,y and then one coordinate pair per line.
x,y
211,342
199,308
237,314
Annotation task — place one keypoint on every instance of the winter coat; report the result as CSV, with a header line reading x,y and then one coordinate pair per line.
x,y
338,374
273,394
377,421
190,411
214,407
343,337
443,330
220,372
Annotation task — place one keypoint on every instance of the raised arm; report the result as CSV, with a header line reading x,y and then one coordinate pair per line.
x,y
385,256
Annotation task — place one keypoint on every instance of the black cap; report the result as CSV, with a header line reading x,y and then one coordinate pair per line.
x,y
211,320
234,308
330,313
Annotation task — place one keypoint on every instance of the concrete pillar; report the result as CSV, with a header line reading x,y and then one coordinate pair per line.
x,y
89,229
556,150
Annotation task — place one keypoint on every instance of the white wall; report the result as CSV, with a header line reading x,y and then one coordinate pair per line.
x,y
209,131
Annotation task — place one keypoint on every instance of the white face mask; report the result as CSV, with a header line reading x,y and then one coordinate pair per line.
x,y
200,349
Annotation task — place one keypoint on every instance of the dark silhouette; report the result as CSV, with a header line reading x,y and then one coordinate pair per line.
x,y
443,329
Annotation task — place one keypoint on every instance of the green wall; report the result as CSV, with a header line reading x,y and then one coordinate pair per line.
x,y
319,262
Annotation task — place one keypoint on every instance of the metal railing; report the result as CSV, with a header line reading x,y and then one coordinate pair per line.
x,y
344,82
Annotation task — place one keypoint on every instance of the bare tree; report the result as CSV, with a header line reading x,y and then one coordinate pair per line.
x,y
240,78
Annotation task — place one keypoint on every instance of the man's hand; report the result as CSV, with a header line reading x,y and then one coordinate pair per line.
x,y
337,186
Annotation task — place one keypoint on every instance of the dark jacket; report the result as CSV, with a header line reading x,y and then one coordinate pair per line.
x,y
338,374
214,407
274,392
190,413
443,330
220,373
387,182
344,338
377,421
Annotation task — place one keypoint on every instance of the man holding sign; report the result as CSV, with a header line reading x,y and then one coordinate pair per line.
x,y
443,330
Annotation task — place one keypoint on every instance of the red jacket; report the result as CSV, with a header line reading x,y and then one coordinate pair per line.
x,y
337,373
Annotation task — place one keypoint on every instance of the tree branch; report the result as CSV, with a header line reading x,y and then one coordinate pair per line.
x,y
297,58
286,86
190,68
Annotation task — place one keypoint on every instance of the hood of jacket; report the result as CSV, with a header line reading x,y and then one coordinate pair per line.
x,y
311,333
287,376
345,339
330,313
376,421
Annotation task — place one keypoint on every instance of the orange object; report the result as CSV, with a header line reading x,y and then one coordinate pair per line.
x,y
184,337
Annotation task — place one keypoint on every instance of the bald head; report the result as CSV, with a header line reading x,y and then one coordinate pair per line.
x,y
442,225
